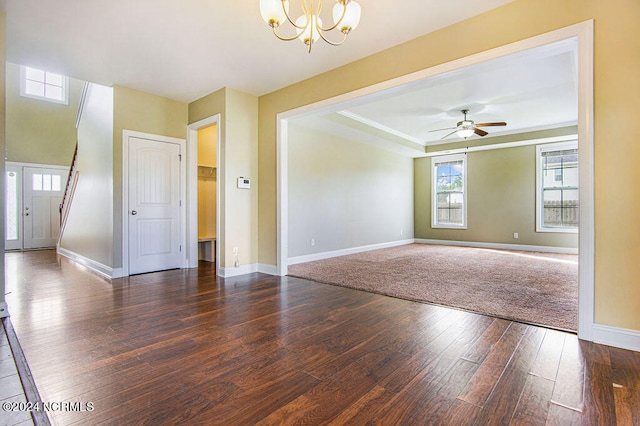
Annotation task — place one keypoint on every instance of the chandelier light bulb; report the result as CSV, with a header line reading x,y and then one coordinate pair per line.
x,y
311,31
274,12
351,17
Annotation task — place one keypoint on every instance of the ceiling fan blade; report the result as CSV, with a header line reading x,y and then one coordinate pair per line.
x,y
500,123
446,128
480,132
449,134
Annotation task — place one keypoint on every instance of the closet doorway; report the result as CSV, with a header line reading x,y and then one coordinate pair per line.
x,y
207,192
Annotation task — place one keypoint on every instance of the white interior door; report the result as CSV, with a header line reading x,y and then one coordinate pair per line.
x,y
154,206
43,189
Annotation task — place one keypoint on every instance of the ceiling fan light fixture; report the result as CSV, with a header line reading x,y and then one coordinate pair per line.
x,y
467,128
465,132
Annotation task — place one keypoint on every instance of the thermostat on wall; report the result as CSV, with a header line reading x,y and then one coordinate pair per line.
x,y
244,183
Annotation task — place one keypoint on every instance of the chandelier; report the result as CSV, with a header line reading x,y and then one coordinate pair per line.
x,y
308,26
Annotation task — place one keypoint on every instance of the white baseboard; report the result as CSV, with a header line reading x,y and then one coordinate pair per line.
x,y
267,269
329,254
521,247
617,337
240,270
97,267
117,273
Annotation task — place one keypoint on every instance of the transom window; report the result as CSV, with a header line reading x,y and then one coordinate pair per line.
x,y
449,182
44,85
557,187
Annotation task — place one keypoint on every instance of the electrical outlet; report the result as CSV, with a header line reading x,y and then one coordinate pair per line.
x,y
515,236
313,241
235,250
237,263
402,232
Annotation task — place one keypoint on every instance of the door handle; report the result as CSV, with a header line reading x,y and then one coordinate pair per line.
x,y
26,214
133,212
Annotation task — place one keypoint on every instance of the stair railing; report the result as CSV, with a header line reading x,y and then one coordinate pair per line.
x,y
70,183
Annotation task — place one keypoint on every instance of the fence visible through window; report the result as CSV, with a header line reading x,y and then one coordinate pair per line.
x,y
559,188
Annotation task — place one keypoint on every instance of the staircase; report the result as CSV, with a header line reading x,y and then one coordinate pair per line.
x,y
72,178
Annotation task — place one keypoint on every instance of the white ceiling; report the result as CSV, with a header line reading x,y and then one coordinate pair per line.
x,y
186,49
531,90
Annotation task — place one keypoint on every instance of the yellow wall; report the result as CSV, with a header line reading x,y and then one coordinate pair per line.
x,y
617,60
205,107
141,112
207,185
501,194
239,157
207,143
39,131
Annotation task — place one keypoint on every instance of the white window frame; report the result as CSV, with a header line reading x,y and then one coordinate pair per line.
x,y
23,87
539,208
434,193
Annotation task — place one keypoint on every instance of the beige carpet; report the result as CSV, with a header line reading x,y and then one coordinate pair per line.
x,y
538,288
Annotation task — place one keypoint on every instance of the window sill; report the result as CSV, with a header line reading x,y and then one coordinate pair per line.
x,y
557,230
434,226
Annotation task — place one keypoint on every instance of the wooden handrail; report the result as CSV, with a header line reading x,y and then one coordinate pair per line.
x,y
68,185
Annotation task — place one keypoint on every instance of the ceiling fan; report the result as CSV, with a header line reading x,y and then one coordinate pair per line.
x,y
466,128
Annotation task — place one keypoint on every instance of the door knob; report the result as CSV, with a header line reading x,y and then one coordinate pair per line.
x,y
133,212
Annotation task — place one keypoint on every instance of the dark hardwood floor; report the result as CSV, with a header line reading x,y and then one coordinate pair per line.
x,y
185,347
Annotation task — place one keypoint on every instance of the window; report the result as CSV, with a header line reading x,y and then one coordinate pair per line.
x,y
46,182
44,85
557,187
11,224
449,184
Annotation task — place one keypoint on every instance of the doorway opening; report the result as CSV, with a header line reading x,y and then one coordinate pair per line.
x,y
204,171
207,193
33,193
582,34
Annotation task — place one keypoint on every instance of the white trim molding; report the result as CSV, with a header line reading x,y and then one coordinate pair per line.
x,y
618,337
97,267
267,269
504,145
343,252
499,246
237,271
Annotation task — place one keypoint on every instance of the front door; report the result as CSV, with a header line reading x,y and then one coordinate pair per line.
x,y
43,190
154,206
